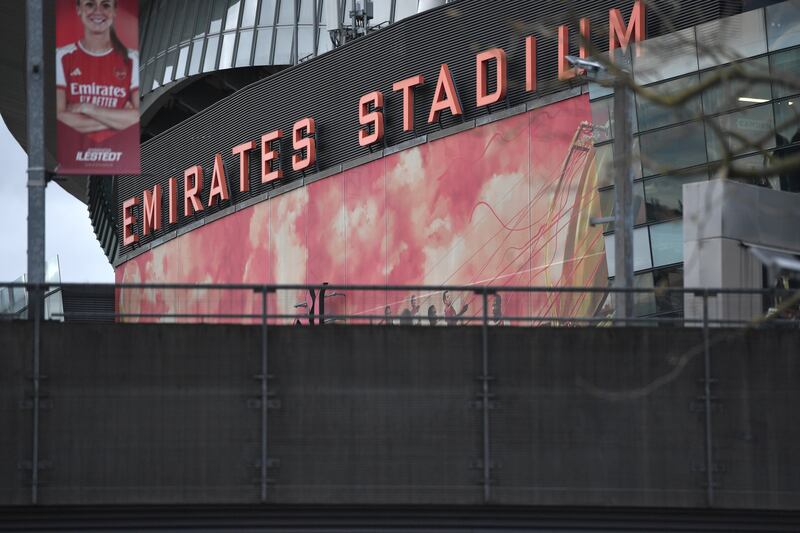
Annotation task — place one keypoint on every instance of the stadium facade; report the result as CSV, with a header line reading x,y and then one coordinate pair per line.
x,y
473,180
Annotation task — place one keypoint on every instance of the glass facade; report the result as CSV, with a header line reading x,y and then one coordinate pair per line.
x,y
746,121
183,38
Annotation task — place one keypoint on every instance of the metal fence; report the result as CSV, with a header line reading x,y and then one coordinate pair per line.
x,y
418,305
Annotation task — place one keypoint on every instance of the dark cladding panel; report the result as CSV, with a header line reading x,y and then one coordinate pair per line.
x,y
328,89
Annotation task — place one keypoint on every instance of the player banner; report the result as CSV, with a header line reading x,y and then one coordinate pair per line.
x,y
97,86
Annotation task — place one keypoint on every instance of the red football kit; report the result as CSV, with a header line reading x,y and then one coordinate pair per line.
x,y
105,80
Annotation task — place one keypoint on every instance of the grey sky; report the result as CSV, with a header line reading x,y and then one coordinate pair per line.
x,y
68,233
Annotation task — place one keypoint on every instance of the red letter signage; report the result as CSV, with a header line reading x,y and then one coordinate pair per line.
x,y
635,28
219,183
191,193
128,236
407,86
498,55
367,117
243,151
151,220
300,143
268,155
445,96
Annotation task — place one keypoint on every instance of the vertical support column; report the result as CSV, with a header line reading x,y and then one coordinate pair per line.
x,y
707,399
264,394
36,198
623,200
487,456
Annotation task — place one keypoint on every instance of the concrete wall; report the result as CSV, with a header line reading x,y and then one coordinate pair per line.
x,y
720,218
370,415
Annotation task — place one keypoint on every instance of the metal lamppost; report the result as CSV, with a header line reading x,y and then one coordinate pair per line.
x,y
623,186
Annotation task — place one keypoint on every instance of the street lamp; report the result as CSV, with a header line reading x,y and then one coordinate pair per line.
x,y
623,184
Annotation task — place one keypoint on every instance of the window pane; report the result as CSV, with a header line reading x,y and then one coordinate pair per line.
x,y
652,115
203,10
644,303
783,25
286,15
734,93
283,46
249,13
603,119
667,241
305,36
787,121
306,12
188,11
266,17
183,55
158,72
604,163
381,12
755,125
667,150
404,8
641,250
607,205
263,47
217,12
168,20
785,65
757,164
731,38
667,56
243,48
197,52
226,54
211,53
324,42
668,278
664,195
232,17
169,68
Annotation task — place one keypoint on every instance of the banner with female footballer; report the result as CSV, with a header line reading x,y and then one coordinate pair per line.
x,y
97,87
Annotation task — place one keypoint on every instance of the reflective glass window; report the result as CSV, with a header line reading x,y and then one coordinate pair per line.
x,y
249,13
180,69
211,53
641,250
306,12
787,122
324,42
283,46
244,48
188,11
404,8
731,38
226,53
785,65
604,163
730,94
305,41
266,16
607,205
783,25
673,148
147,78
381,12
168,16
756,165
203,9
667,56
667,242
664,195
197,54
653,115
754,125
263,47
232,16
644,303
169,66
158,72
217,12
603,119
286,13
672,277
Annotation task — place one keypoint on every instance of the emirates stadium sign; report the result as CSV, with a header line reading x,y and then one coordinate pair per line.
x,y
186,195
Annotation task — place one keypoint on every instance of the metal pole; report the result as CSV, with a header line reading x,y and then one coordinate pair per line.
x,y
623,200
485,398
264,397
36,197
707,394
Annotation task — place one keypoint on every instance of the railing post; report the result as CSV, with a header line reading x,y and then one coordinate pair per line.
x,y
264,394
37,323
485,397
707,395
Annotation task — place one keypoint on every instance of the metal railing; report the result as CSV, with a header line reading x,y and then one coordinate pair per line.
x,y
426,305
